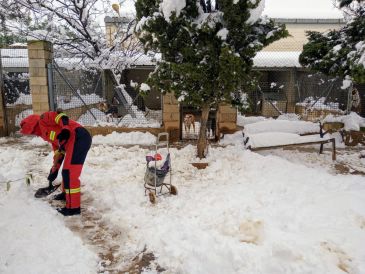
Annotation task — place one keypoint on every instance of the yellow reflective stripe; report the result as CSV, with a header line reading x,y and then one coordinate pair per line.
x,y
58,117
72,190
52,135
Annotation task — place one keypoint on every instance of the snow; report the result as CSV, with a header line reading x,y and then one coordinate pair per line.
x,y
322,9
131,138
222,34
33,238
167,7
351,121
346,83
267,139
75,101
244,213
23,99
286,126
277,59
255,13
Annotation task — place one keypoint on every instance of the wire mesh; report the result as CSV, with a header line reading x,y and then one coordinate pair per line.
x,y
85,97
17,96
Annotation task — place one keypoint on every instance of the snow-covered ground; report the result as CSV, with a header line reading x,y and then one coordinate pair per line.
x,y
244,213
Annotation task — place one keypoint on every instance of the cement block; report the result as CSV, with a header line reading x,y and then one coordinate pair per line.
x,y
171,108
171,116
40,81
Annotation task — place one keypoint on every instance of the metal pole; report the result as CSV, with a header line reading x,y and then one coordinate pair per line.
x,y
51,97
2,99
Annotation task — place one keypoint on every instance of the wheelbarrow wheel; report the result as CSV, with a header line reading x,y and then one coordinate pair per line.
x,y
152,197
173,190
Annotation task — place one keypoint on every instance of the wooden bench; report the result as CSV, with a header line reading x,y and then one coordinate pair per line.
x,y
321,142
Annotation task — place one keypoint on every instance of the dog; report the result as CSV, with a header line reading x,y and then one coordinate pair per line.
x,y
110,110
189,120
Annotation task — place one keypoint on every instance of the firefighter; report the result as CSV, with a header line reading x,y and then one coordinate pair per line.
x,y
70,142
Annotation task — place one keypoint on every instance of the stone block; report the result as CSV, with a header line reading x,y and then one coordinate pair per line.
x,y
169,99
37,63
227,109
227,117
39,81
42,45
224,127
171,108
38,72
171,125
171,116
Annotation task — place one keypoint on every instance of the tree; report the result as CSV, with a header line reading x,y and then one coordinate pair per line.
x,y
73,27
207,49
340,52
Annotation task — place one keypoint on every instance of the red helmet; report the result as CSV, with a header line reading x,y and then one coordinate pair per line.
x,y
29,125
157,157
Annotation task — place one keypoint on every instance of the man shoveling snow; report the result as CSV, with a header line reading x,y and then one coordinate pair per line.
x,y
71,143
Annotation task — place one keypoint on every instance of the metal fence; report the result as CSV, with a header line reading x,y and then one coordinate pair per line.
x,y
85,97
17,96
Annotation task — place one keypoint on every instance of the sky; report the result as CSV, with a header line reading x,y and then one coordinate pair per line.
x,y
286,8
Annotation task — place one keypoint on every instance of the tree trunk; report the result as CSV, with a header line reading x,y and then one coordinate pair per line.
x,y
202,141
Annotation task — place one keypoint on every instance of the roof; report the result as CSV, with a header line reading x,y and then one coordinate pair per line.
x,y
14,58
18,58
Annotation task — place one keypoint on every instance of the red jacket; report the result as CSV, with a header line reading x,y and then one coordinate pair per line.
x,y
48,126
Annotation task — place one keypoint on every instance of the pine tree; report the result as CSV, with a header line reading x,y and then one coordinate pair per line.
x,y
207,49
339,52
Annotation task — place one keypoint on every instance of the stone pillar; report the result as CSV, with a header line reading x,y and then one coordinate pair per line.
x,y
226,119
40,54
171,116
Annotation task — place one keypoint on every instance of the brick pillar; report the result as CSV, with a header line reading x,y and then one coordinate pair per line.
x,y
171,116
226,119
40,54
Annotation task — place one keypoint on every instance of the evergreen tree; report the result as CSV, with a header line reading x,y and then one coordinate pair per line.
x,y
339,52
207,49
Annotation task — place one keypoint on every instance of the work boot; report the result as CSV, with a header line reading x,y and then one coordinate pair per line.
x,y
60,197
69,211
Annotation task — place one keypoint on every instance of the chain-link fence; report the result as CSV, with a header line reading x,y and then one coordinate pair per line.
x,y
15,76
87,98
286,87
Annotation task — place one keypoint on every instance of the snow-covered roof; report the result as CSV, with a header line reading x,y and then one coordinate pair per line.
x,y
277,59
18,58
319,9
14,58
263,59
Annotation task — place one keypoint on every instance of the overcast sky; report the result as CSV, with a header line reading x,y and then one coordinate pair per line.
x,y
286,8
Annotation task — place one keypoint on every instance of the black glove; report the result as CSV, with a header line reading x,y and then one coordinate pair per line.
x,y
52,175
64,135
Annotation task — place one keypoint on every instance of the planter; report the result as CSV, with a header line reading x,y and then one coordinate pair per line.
x,y
199,165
